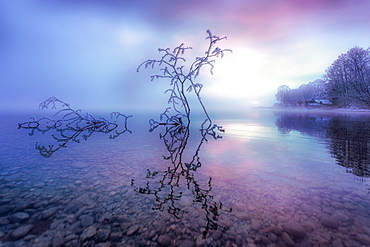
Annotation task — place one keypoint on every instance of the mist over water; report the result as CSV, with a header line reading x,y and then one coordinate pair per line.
x,y
274,178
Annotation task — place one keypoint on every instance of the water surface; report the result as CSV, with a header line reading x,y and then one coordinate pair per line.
x,y
273,179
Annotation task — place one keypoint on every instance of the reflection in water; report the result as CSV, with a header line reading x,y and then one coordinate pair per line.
x,y
308,124
350,144
348,136
285,190
168,189
70,126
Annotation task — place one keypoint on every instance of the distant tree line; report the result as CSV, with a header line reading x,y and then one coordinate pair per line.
x,y
345,84
302,96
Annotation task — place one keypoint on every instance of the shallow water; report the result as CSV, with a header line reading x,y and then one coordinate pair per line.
x,y
273,179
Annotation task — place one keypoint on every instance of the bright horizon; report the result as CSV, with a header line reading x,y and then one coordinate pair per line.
x,y
86,52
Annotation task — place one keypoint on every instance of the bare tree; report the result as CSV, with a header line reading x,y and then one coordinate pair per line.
x,y
283,95
183,76
348,79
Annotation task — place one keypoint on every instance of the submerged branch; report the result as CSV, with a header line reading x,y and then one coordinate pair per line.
x,y
71,125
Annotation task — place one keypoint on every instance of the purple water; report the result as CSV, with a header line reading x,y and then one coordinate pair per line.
x,y
273,179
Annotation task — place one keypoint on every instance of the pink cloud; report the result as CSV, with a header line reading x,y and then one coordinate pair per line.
x,y
266,20
273,20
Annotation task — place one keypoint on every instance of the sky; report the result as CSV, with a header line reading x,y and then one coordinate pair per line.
x,y
86,52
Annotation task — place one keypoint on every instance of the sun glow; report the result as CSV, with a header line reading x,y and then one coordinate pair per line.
x,y
239,75
246,131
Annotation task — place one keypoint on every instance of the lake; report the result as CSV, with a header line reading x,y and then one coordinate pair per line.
x,y
273,178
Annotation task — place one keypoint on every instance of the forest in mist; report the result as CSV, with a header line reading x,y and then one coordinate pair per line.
x,y
345,84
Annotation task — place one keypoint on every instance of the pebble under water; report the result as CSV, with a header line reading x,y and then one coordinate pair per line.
x,y
273,179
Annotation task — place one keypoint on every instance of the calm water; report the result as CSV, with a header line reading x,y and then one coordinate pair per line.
x,y
273,179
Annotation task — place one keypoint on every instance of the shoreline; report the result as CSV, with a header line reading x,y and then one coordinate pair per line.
x,y
316,110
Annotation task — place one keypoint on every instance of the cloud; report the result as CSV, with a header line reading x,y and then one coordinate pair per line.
x,y
88,50
261,21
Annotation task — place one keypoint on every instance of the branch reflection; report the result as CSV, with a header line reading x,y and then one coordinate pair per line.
x,y
168,187
70,125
